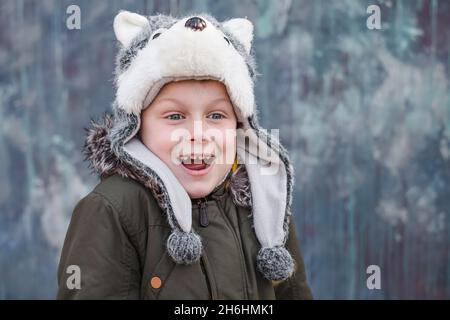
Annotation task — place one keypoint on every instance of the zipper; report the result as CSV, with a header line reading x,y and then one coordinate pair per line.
x,y
203,212
237,239
212,296
204,264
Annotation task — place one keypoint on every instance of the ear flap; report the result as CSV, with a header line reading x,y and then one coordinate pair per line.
x,y
268,179
127,25
242,29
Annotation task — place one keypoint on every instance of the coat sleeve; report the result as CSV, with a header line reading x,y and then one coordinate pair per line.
x,y
97,252
296,287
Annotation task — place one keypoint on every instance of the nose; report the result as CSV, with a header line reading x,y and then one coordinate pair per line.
x,y
198,131
195,23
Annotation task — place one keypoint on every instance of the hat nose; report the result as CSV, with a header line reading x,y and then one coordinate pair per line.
x,y
195,23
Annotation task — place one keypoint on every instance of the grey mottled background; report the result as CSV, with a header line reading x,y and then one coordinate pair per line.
x,y
364,113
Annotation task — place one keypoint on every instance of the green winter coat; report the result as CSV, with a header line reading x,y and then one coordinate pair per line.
x,y
117,238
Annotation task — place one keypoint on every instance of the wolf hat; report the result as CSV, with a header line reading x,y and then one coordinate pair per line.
x,y
159,49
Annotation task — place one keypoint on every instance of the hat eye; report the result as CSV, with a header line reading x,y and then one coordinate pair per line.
x,y
157,33
227,40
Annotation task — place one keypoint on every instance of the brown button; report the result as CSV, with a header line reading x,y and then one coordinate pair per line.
x,y
155,282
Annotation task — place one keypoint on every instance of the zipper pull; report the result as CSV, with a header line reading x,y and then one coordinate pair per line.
x,y
203,213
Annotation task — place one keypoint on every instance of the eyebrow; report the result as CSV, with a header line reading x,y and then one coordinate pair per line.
x,y
182,103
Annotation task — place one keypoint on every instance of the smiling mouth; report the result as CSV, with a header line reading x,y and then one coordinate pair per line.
x,y
197,162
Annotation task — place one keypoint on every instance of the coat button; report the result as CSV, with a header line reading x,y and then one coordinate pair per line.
x,y
155,282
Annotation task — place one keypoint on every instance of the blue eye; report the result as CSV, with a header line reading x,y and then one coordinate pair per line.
x,y
217,116
175,116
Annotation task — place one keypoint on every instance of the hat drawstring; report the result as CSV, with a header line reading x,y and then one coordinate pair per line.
x,y
233,170
235,164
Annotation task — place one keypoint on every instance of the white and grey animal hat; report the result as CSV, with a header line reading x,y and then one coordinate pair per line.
x,y
159,49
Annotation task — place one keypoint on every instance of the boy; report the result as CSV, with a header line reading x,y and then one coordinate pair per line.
x,y
195,198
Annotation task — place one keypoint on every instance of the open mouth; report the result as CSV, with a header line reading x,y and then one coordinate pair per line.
x,y
197,163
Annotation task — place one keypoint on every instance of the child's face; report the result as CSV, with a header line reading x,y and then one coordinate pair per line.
x,y
179,108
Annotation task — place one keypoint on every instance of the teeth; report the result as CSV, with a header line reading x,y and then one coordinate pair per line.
x,y
184,158
197,158
209,159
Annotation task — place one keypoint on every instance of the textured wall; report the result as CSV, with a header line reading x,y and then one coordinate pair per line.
x,y
365,114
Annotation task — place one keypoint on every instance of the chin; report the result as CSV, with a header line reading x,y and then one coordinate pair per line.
x,y
195,193
198,189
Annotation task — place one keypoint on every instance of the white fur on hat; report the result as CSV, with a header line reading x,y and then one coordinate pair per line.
x,y
182,53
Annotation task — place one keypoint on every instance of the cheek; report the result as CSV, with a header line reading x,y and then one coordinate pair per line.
x,y
227,144
157,137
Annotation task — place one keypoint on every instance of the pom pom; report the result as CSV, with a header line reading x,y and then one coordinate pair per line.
x,y
184,247
275,263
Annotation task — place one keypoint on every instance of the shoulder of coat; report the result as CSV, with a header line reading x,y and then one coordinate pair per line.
x,y
117,187
130,198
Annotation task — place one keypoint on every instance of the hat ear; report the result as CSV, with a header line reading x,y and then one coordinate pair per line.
x,y
127,25
242,29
